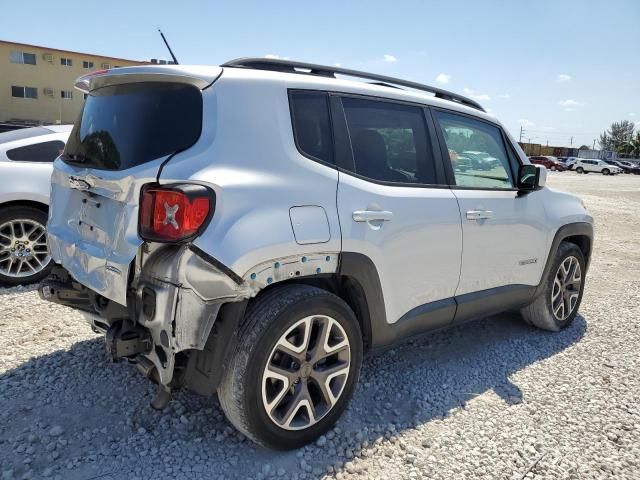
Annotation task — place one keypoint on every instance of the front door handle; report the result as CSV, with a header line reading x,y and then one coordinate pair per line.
x,y
372,215
479,214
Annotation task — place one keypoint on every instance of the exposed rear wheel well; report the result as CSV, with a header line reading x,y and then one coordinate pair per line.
x,y
349,290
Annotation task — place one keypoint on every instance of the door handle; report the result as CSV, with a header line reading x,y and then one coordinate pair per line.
x,y
372,215
479,214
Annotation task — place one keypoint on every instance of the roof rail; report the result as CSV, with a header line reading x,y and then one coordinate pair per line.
x,y
288,66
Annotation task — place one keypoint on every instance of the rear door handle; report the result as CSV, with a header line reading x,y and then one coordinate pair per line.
x,y
372,215
479,214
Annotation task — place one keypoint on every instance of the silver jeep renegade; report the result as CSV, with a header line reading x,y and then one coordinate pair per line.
x,y
253,229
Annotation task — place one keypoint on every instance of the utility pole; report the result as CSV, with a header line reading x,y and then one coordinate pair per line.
x,y
522,132
594,144
571,141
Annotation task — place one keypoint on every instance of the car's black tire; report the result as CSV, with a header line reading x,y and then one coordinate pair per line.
x,y
540,312
267,320
579,170
32,216
605,171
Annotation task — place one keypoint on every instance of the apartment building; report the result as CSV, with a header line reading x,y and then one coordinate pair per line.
x,y
36,83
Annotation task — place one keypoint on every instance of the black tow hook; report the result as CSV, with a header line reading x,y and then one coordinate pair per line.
x,y
126,341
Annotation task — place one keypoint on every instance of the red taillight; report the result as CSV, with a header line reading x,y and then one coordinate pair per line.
x,y
175,212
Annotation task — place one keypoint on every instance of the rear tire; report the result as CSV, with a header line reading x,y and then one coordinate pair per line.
x,y
579,170
24,256
605,171
557,305
278,388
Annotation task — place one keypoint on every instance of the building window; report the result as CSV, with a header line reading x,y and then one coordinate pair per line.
x,y
17,56
106,66
67,62
24,92
86,64
66,94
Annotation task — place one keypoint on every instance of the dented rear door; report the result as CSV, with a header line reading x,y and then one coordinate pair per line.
x,y
126,131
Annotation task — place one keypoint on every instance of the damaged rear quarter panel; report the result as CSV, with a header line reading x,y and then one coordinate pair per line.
x,y
189,291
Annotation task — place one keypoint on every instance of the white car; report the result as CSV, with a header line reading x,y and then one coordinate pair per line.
x,y
26,162
583,165
253,229
570,162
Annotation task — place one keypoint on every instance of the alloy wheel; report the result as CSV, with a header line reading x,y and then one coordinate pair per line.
x,y
306,372
23,248
566,288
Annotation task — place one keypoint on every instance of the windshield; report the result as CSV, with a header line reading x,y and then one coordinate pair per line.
x,y
122,126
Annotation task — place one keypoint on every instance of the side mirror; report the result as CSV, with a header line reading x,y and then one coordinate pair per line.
x,y
531,178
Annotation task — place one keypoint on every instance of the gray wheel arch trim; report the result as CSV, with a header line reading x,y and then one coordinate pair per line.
x,y
578,229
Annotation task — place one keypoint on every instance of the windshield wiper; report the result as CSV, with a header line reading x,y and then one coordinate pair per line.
x,y
76,158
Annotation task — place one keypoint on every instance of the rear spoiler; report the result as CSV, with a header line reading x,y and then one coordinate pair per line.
x,y
198,76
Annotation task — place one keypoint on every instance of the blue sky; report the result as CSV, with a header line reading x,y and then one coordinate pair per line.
x,y
558,68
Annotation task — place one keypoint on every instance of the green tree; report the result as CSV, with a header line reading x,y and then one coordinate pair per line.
x,y
632,147
617,136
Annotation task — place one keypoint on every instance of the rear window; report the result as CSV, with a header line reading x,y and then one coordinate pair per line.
x,y
311,125
37,152
122,126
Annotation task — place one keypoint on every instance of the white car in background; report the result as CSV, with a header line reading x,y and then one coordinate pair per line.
x,y
584,165
26,158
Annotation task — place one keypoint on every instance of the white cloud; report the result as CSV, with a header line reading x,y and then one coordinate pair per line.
x,y
563,77
476,96
526,123
569,109
504,95
570,103
632,114
443,78
389,58
337,64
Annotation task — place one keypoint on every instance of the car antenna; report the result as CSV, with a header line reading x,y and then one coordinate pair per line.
x,y
175,60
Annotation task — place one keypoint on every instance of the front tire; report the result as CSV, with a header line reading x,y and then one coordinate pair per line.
x,y
579,170
295,367
24,257
605,171
557,306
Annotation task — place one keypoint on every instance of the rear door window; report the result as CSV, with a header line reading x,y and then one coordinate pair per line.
x,y
311,125
37,152
389,141
122,126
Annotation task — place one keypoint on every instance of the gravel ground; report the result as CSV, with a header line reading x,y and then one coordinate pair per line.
x,y
490,399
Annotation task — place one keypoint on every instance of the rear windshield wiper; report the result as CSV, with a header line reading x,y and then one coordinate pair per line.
x,y
76,158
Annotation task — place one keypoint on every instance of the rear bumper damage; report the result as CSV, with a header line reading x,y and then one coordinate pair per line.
x,y
182,310
171,310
